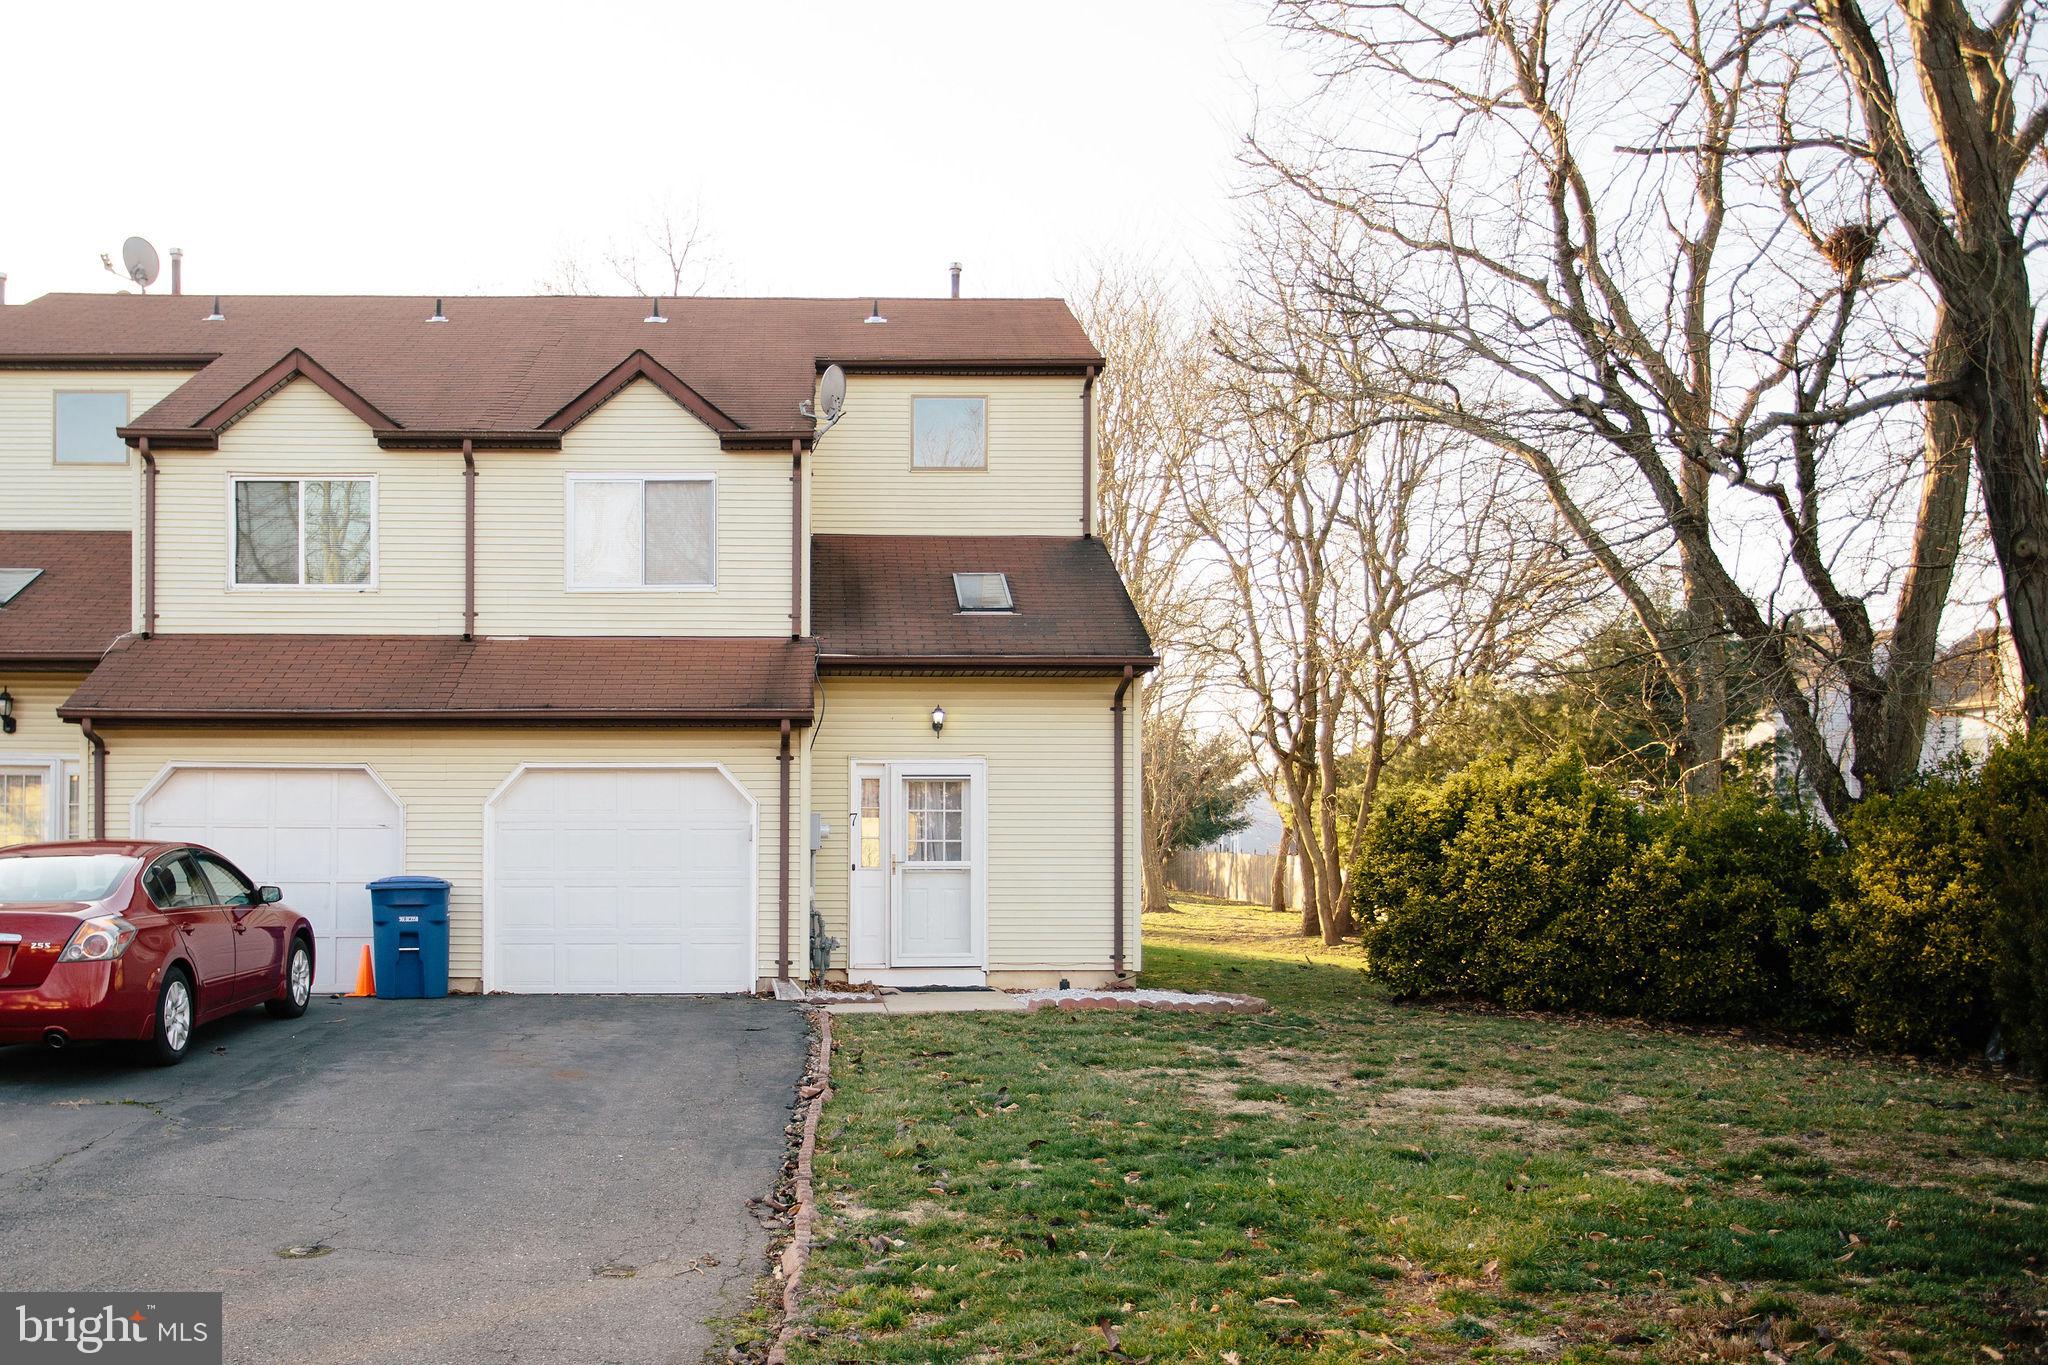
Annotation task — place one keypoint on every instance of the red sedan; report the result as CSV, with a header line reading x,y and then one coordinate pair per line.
x,y
141,942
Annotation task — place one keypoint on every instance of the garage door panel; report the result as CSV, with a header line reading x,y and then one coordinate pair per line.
x,y
646,878
318,833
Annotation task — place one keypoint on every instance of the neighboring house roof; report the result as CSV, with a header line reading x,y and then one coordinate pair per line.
x,y
515,370
72,610
370,678
888,601
1972,674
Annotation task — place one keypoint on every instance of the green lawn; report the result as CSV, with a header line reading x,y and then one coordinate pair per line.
x,y
1351,1179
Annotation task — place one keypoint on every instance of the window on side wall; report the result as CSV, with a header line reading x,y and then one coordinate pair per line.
x,y
949,433
310,533
85,423
656,531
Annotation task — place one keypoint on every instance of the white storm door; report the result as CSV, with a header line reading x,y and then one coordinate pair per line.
x,y
934,869
868,843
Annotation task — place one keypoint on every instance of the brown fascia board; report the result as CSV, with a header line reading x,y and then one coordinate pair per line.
x,y
171,438
640,365
102,715
982,663
402,438
195,361
50,663
294,364
1076,365
767,438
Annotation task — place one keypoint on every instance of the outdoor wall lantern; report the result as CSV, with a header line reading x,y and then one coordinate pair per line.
x,y
938,720
6,712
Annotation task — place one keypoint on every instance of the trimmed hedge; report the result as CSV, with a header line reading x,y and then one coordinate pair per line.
x,y
1537,884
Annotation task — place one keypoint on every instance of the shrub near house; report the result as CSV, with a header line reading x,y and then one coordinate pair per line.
x,y
1537,884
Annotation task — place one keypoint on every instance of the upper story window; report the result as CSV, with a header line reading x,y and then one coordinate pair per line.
x,y
85,423
949,433
313,533
632,531
983,592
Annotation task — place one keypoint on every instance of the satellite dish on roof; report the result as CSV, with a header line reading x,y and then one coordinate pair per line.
x,y
831,404
140,260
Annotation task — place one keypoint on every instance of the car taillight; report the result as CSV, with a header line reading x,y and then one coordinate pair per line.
x,y
99,940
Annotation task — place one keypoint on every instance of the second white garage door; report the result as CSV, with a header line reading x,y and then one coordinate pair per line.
x,y
627,880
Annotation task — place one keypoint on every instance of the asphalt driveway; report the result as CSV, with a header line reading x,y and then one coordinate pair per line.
x,y
499,1179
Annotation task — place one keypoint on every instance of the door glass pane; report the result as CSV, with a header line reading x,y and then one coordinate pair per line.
x,y
266,531
680,542
338,532
607,534
935,819
23,817
950,433
871,822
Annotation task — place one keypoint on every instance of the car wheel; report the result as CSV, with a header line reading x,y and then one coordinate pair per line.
x,y
176,1016
298,983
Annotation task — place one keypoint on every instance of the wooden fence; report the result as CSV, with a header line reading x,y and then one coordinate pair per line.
x,y
1232,876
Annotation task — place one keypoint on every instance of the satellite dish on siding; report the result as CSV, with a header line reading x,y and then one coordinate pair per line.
x,y
832,392
139,258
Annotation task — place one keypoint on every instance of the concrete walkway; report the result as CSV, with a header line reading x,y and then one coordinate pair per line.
x,y
929,1002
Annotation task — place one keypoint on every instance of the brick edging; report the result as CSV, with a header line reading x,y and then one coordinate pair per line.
x,y
1237,1004
817,1088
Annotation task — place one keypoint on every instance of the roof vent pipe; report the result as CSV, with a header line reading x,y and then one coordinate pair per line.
x,y
875,314
439,316
956,279
655,315
216,315
3,286
177,270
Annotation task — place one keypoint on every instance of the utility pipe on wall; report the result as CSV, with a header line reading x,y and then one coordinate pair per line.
x,y
468,539
1116,712
796,539
148,538
782,867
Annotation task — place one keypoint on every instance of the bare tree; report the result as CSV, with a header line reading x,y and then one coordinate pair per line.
x,y
668,254
1968,195
1672,333
1151,400
1373,563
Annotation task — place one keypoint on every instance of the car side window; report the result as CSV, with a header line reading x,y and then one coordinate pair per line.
x,y
174,882
229,886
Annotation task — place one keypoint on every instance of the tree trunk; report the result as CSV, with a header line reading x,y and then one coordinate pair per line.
x,y
2008,440
1705,695
1937,537
1156,896
1283,884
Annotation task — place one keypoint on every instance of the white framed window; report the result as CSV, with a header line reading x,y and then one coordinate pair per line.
x,y
642,532
948,433
302,533
84,423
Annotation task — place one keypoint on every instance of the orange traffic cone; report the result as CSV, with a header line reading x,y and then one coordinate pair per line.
x,y
365,978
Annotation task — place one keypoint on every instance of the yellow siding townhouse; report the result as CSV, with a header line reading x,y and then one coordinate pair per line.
x,y
572,602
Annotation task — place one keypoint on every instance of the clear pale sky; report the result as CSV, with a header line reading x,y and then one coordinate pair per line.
x,y
834,149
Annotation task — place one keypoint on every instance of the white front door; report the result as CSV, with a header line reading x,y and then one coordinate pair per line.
x,y
918,865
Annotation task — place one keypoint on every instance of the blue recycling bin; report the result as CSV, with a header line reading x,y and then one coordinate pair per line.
x,y
410,918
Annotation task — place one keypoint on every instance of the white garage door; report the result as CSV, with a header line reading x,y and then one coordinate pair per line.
x,y
624,880
321,834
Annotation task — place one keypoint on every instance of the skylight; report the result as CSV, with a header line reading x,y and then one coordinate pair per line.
x,y
983,592
12,581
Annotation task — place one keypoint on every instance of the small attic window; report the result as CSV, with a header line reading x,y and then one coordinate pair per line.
x,y
983,592
12,581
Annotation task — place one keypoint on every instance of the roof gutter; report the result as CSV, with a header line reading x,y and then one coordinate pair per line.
x,y
782,869
1116,714
530,716
99,779
987,663
148,538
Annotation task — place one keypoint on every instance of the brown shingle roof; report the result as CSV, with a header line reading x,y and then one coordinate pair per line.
x,y
510,364
78,605
368,678
890,598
